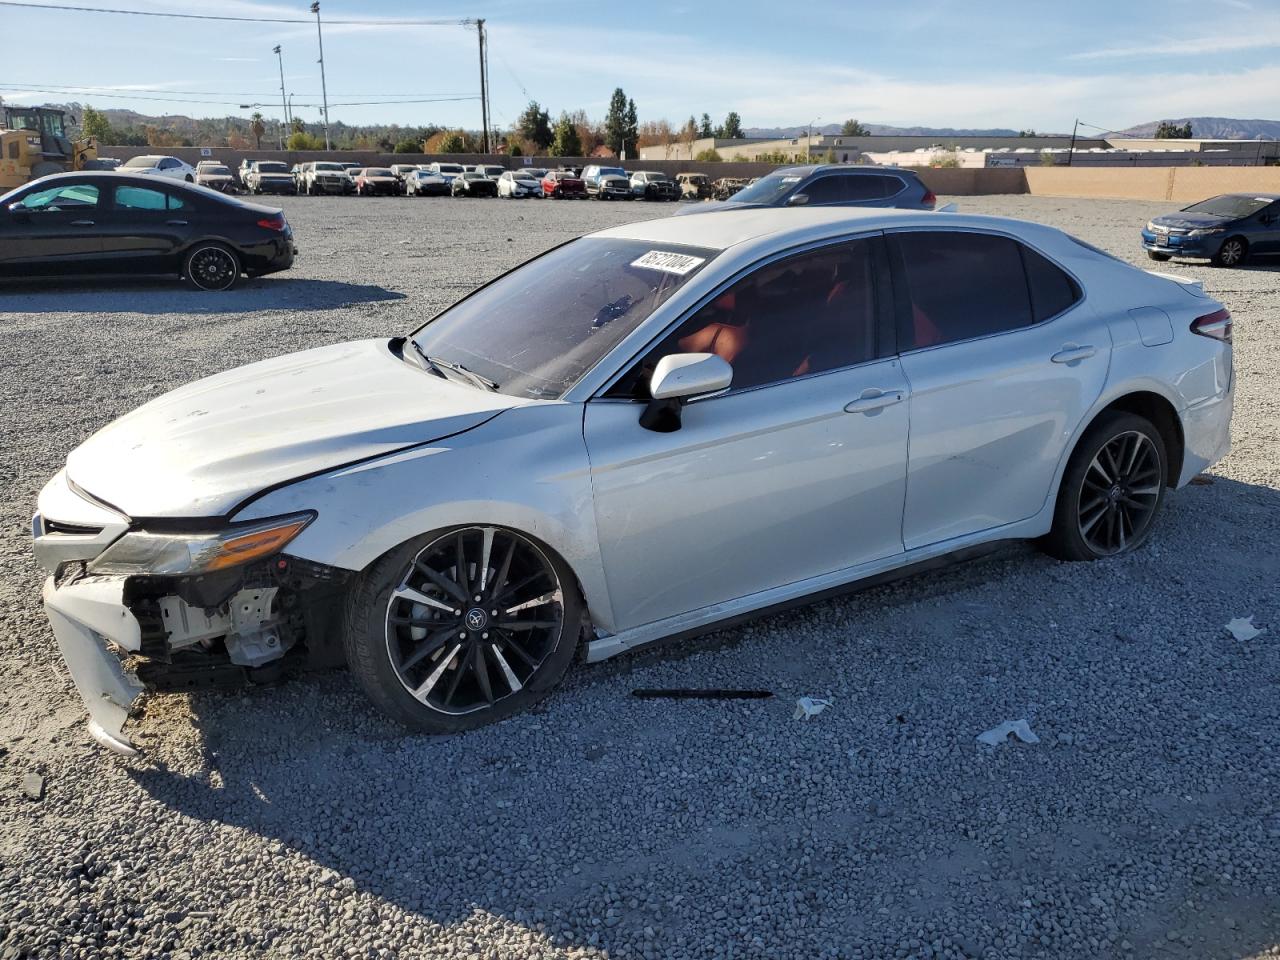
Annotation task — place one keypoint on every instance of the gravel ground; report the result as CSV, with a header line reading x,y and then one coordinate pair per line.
x,y
294,821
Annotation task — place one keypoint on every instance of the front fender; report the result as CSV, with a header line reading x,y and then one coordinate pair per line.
x,y
527,469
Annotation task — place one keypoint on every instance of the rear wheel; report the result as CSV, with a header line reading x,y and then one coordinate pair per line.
x,y
1112,490
1232,253
462,627
211,266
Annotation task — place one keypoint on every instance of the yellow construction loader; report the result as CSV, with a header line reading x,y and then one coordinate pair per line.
x,y
34,143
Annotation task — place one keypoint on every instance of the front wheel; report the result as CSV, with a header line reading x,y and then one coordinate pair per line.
x,y
1232,253
1112,490
1158,257
462,627
211,266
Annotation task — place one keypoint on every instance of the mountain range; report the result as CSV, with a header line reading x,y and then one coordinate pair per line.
x,y
1212,128
1215,128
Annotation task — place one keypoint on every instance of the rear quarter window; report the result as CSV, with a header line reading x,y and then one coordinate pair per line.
x,y
1052,288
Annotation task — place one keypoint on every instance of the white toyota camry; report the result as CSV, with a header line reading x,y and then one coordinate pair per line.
x,y
643,433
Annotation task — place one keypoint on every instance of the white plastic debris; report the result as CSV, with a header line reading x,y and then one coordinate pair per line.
x,y
807,707
998,735
1242,629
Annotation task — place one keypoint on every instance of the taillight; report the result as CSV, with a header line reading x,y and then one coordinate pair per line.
x,y
1216,325
930,199
272,223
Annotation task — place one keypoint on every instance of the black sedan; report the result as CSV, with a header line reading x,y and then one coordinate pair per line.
x,y
474,185
1227,230
87,224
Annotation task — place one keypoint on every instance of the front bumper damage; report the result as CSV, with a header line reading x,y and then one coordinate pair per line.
x,y
87,616
123,635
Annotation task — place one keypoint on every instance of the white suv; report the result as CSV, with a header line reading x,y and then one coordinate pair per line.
x,y
325,176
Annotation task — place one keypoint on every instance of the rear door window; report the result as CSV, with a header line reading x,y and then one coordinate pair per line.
x,y
825,190
959,286
868,187
144,198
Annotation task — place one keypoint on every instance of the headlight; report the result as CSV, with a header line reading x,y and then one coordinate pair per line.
x,y
1151,226
187,554
1207,232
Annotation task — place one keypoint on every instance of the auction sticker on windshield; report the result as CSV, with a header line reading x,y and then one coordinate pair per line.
x,y
677,263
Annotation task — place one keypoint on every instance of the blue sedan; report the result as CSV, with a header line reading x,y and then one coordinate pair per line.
x,y
1227,230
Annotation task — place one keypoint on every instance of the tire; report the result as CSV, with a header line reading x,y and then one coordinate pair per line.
x,y
1233,252
396,644
212,267
1157,257
1112,489
189,178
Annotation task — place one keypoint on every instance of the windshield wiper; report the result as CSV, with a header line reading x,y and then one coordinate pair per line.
x,y
438,365
427,363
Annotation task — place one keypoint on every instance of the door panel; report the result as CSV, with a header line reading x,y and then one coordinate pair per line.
x,y
61,234
990,419
145,231
757,489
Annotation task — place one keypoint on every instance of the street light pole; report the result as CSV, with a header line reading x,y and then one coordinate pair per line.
x,y
284,102
484,87
324,92
1071,151
808,138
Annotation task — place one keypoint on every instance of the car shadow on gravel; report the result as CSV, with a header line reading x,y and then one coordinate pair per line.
x,y
163,296
597,821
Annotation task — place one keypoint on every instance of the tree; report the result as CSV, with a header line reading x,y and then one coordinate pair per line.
x,y
453,142
566,143
409,146
1168,130
688,134
94,124
852,128
615,121
1026,134
304,141
297,125
513,148
590,133
257,128
732,127
534,125
632,134
708,156
704,128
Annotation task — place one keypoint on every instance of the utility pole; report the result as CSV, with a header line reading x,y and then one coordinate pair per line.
x,y
284,102
1071,152
324,91
484,87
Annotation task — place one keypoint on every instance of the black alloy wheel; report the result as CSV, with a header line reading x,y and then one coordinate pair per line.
x,y
212,267
1111,491
476,620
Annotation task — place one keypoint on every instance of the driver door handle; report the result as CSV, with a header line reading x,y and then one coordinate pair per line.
x,y
1071,353
872,400
175,223
82,223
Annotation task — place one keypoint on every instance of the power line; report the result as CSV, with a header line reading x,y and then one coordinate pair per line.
x,y
461,22
93,89
234,103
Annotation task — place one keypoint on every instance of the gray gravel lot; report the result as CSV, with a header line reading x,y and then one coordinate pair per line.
x,y
294,821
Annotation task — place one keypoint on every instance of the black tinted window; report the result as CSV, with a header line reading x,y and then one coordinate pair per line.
x,y
1052,290
960,286
871,187
825,190
803,315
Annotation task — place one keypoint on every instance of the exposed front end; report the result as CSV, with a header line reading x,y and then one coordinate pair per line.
x,y
175,605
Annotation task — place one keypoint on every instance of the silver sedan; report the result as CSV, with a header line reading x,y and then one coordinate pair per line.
x,y
641,434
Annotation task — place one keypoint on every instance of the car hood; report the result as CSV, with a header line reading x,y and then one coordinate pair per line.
x,y
201,450
1190,221
709,206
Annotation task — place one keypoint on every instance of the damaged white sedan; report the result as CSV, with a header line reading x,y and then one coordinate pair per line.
x,y
641,434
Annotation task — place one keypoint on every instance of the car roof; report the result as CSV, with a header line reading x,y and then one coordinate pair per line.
x,y
141,180
807,169
721,229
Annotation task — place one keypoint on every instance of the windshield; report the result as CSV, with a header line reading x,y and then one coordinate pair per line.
x,y
612,172
378,172
216,171
768,189
537,330
330,166
141,162
449,167
273,168
1229,205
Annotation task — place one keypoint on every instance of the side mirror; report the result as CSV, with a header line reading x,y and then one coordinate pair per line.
x,y
19,210
679,378
797,200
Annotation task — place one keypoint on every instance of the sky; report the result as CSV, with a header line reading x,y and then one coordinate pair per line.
x,y
942,63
